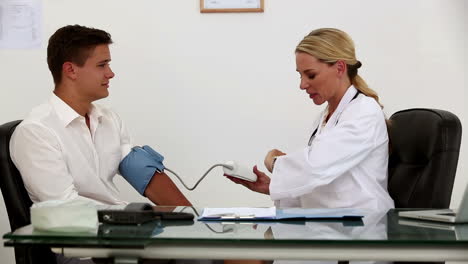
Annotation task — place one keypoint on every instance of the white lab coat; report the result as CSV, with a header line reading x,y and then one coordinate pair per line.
x,y
344,167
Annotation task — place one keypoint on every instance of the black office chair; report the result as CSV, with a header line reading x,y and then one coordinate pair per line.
x,y
425,144
17,200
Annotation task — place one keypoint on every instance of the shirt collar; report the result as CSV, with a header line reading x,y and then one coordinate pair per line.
x,y
345,100
347,97
95,112
66,114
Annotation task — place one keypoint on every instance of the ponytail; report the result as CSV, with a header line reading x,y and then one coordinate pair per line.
x,y
362,86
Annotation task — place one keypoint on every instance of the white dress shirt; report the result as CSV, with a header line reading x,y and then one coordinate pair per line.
x,y
60,158
344,167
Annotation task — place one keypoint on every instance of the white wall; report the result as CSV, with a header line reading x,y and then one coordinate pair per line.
x,y
206,88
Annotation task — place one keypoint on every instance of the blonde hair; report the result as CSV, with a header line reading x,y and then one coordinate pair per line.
x,y
330,45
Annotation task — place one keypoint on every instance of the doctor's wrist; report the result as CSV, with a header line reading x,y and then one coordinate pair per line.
x,y
273,163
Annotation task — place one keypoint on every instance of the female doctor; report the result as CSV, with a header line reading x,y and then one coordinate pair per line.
x,y
344,164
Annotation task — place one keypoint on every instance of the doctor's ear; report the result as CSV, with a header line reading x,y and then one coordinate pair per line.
x,y
69,70
341,67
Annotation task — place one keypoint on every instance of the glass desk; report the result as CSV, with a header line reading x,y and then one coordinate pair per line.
x,y
377,237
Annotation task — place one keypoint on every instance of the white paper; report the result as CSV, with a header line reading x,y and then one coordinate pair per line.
x,y
20,24
215,4
240,212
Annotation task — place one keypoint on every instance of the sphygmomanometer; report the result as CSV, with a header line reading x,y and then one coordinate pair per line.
x,y
139,166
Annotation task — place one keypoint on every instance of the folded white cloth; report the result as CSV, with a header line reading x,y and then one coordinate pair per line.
x,y
65,216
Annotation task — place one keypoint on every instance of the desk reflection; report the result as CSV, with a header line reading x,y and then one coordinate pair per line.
x,y
372,226
377,236
436,230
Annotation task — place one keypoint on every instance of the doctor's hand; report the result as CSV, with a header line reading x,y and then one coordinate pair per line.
x,y
262,185
271,158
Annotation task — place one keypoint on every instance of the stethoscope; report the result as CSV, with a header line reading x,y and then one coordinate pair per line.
x,y
315,131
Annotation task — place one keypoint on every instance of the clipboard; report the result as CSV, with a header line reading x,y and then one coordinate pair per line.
x,y
274,214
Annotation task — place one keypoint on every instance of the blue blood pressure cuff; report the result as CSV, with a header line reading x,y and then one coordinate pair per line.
x,y
139,166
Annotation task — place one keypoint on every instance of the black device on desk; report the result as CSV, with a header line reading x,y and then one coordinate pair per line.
x,y
138,213
144,230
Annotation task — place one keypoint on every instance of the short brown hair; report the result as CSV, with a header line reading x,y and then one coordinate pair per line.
x,y
73,43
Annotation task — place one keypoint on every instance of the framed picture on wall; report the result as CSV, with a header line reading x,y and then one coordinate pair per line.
x,y
231,6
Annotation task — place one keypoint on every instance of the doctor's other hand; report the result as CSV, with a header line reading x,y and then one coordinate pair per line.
x,y
271,157
262,185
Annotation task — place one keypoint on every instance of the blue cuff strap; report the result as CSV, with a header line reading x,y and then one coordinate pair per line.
x,y
139,166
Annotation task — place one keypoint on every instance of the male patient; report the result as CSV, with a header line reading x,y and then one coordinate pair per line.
x,y
70,148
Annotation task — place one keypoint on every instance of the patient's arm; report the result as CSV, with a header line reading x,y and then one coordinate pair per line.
x,y
162,191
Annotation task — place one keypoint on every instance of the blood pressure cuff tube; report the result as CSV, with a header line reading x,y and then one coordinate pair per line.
x,y
139,166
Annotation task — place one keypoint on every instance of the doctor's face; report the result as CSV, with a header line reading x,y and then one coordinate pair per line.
x,y
318,79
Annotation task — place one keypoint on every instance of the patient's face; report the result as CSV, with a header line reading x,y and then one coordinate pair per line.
x,y
320,80
94,76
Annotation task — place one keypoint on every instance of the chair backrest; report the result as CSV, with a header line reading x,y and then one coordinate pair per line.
x,y
425,144
17,200
16,197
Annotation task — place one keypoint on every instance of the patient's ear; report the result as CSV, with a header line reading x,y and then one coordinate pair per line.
x,y
69,70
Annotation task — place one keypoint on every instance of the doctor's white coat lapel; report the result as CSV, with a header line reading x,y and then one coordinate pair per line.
x,y
334,119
